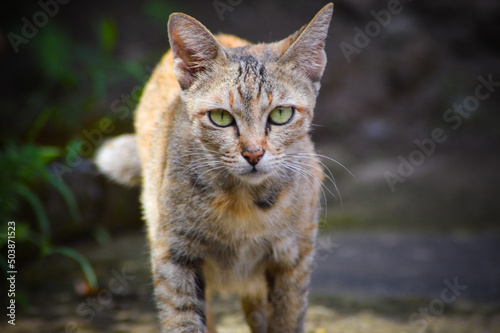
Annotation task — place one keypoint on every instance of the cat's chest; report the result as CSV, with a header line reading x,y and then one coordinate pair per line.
x,y
243,214
248,237
226,267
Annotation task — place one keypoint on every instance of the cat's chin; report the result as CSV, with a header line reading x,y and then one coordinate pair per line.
x,y
254,177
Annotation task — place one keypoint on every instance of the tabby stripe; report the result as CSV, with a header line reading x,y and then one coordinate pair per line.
x,y
182,259
231,99
200,294
270,98
181,302
191,235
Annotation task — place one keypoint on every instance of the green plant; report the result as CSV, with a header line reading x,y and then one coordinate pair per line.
x,y
70,88
23,168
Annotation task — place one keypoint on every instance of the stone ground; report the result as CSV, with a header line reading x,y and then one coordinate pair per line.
x,y
363,282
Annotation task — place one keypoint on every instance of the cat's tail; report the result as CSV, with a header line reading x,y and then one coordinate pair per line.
x,y
118,159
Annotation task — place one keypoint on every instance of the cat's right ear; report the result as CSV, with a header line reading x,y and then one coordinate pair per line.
x,y
194,48
306,48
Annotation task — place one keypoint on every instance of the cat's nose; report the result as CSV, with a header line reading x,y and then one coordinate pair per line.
x,y
253,156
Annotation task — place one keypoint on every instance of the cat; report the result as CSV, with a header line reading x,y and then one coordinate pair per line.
x,y
230,179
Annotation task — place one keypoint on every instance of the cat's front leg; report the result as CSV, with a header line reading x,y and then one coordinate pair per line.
x,y
288,288
180,290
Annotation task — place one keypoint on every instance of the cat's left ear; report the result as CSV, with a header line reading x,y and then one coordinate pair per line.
x,y
194,48
306,48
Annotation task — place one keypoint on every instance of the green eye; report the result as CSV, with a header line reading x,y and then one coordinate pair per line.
x,y
281,115
221,118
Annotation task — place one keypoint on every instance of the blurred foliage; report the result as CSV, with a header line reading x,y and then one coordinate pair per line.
x,y
76,77
69,84
68,90
160,10
22,170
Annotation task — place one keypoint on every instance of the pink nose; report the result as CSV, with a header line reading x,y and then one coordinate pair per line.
x,y
253,156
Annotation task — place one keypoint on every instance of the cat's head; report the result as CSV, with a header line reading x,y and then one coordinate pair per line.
x,y
250,106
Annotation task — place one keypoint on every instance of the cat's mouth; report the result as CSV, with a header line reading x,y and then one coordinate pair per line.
x,y
253,172
254,175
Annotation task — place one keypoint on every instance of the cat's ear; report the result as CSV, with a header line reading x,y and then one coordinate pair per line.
x,y
193,47
306,47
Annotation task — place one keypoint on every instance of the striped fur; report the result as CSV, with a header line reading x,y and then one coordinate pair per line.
x,y
216,222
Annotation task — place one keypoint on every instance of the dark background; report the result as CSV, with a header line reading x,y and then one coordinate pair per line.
x,y
89,61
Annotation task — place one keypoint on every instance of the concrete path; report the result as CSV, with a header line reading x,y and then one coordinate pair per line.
x,y
407,265
368,269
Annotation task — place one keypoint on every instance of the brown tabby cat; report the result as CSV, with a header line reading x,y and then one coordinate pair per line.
x,y
230,179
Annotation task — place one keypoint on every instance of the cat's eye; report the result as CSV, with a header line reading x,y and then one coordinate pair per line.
x,y
221,118
281,115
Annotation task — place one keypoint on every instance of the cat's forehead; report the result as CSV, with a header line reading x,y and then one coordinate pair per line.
x,y
249,67
252,55
250,83
250,80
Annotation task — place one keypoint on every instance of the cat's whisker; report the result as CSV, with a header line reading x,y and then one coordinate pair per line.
x,y
327,158
300,170
303,172
317,125
204,151
312,175
317,160
200,176
201,163
332,180
330,177
196,165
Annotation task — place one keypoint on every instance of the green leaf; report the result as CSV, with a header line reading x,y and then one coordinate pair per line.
x,y
22,232
108,33
66,194
36,204
81,260
40,121
49,153
36,239
160,10
52,52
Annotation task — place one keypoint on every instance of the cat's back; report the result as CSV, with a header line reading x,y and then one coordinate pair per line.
x,y
161,99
